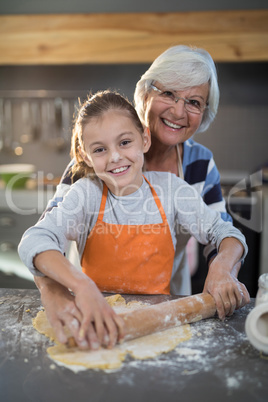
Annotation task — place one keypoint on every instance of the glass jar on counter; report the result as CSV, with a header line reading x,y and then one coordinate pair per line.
x,y
256,325
262,294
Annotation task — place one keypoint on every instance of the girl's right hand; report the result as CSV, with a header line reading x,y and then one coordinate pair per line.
x,y
100,325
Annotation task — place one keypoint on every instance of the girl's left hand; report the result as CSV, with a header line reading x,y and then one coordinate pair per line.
x,y
100,325
229,294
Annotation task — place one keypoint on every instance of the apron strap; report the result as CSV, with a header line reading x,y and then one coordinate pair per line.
x,y
180,168
155,196
103,202
157,201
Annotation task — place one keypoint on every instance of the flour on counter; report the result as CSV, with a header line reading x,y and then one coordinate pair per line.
x,y
217,349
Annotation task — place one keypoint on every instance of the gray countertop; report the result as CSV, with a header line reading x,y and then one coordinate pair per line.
x,y
217,364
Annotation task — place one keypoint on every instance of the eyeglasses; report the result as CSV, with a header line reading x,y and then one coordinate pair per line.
x,y
191,105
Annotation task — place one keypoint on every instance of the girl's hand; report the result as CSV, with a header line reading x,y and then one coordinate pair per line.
x,y
90,319
62,310
229,294
99,325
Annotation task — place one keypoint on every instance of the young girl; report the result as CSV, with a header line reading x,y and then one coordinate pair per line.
x,y
124,223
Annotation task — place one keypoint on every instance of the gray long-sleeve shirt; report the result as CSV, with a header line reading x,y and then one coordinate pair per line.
x,y
76,215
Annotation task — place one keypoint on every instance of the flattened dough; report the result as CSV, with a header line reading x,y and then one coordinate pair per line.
x,y
142,348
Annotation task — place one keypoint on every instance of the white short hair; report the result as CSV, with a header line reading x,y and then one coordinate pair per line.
x,y
181,67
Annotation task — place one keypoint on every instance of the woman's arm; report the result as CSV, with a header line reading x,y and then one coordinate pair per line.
x,y
61,310
222,283
93,321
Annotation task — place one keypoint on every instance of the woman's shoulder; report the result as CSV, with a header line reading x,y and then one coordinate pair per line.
x,y
194,151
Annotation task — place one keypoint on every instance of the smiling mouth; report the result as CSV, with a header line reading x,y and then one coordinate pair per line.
x,y
171,125
119,170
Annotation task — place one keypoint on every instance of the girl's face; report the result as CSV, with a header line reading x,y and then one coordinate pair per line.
x,y
172,124
114,148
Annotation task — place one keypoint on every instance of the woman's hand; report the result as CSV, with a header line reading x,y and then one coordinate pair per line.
x,y
222,283
87,315
60,307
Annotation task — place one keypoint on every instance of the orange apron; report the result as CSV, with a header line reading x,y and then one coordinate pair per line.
x,y
135,259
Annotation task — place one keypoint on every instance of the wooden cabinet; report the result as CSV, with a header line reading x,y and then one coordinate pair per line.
x,y
240,35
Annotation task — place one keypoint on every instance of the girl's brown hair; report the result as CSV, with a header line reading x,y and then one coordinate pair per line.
x,y
95,106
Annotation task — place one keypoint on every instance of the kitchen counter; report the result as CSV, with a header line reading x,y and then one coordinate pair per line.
x,y
217,364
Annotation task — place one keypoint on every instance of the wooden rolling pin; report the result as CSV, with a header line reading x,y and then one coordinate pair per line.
x,y
159,317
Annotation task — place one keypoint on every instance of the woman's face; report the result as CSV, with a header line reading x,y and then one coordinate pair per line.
x,y
172,124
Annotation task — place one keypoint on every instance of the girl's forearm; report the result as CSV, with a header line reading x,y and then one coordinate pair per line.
x,y
230,251
56,267
222,283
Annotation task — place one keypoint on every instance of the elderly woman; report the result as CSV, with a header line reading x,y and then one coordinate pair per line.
x,y
177,97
